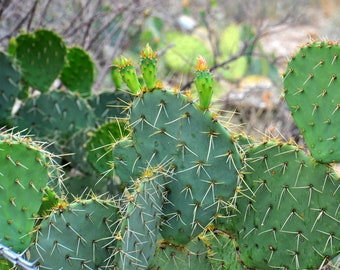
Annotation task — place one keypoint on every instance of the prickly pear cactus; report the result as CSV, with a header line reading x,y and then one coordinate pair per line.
x,y
195,144
41,56
23,175
77,236
168,128
311,90
290,218
9,87
78,71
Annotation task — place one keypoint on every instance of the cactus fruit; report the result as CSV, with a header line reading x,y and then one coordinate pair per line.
x,y
78,71
41,57
129,74
148,67
77,236
115,74
23,175
289,219
9,87
55,115
204,83
311,92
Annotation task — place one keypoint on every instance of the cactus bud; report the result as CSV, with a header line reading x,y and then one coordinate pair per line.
x,y
204,83
129,74
149,66
116,77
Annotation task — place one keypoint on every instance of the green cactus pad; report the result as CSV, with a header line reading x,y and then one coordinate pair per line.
x,y
222,250
55,115
311,86
76,237
193,256
23,175
168,129
291,218
41,56
142,217
78,71
9,87
127,162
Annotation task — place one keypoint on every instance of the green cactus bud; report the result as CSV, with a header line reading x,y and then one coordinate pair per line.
x,y
129,74
148,67
115,74
204,83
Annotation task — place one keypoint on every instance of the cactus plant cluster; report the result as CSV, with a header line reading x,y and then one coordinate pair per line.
x,y
166,184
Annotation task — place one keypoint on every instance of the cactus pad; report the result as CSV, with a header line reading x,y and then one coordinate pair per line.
x,y
291,218
41,56
23,175
76,237
167,128
9,87
311,90
78,71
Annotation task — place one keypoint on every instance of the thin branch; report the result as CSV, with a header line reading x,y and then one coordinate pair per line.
x,y
43,13
75,18
19,24
4,6
34,8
